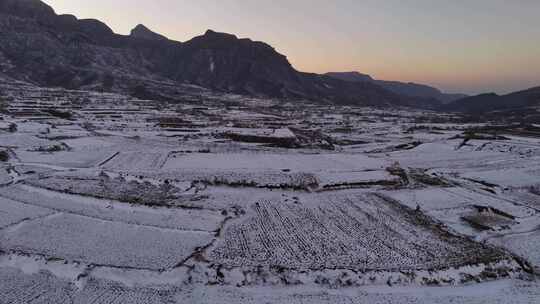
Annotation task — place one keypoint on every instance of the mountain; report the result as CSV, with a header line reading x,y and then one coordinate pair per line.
x,y
402,88
485,103
41,47
142,32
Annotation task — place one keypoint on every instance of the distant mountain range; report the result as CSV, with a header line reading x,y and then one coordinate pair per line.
x,y
402,88
525,102
46,49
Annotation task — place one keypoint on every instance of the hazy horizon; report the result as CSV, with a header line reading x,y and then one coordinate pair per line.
x,y
460,47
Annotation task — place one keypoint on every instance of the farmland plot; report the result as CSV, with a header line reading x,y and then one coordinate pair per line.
x,y
82,152
12,212
454,205
361,232
22,141
503,292
118,188
137,160
262,162
513,147
75,159
296,171
447,155
44,288
225,198
526,245
529,196
171,218
77,238
19,288
34,169
351,179
241,178
507,177
433,199
106,292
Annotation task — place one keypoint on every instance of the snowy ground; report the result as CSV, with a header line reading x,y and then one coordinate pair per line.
x,y
132,201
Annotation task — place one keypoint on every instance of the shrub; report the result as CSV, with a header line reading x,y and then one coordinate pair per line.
x,y
51,149
4,156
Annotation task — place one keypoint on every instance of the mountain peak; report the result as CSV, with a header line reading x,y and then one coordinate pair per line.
x,y
217,35
142,32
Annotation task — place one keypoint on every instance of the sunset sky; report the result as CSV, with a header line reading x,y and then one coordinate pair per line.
x,y
469,46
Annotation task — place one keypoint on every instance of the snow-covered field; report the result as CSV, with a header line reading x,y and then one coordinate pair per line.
x,y
128,202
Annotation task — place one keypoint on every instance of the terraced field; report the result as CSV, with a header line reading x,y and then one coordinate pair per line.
x,y
19,288
267,202
14,212
140,160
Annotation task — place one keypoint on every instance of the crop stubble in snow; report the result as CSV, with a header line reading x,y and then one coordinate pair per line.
x,y
44,288
356,231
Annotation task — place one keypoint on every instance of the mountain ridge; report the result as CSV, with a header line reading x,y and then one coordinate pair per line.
x,y
488,102
404,88
142,32
60,50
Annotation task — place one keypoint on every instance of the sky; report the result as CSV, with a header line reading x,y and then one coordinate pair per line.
x,y
468,46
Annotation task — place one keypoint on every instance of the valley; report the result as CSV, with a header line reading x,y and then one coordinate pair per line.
x,y
118,199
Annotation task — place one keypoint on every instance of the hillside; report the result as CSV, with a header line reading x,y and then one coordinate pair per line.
x,y
523,104
401,88
53,50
